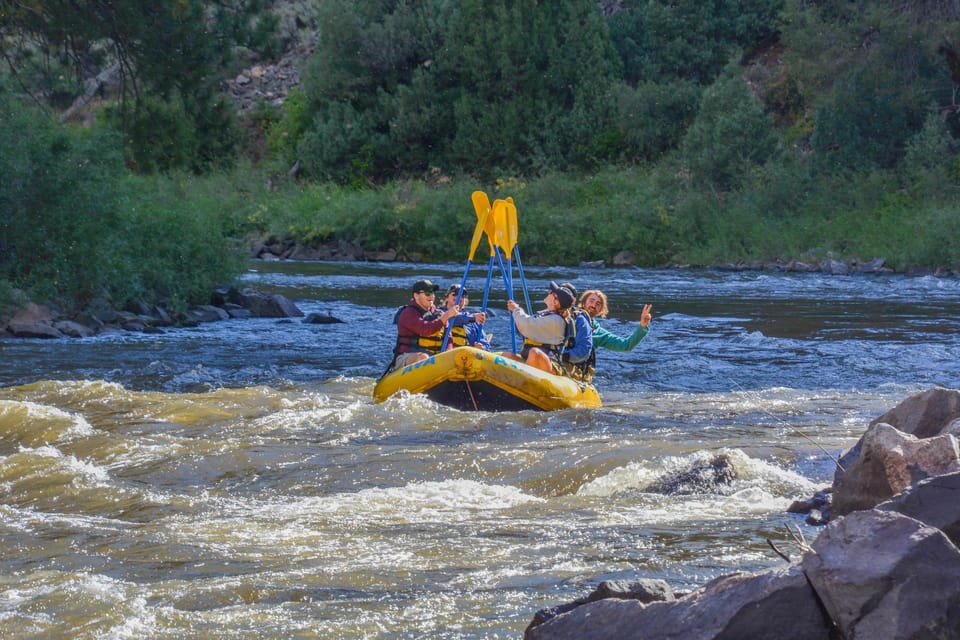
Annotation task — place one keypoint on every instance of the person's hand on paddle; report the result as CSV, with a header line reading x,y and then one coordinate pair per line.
x,y
646,317
512,306
480,317
449,313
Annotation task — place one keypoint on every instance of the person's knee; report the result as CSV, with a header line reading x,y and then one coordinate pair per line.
x,y
540,360
413,357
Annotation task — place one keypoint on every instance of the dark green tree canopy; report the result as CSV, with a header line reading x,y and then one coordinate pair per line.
x,y
502,83
166,56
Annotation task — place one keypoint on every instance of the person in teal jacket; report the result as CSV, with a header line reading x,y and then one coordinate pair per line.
x,y
594,302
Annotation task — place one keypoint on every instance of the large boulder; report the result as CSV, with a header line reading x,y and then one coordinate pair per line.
x,y
642,590
934,502
888,462
702,476
73,329
885,575
777,604
266,305
33,321
925,414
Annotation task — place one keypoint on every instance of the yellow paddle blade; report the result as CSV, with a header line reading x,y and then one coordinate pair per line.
x,y
481,204
478,232
513,231
501,235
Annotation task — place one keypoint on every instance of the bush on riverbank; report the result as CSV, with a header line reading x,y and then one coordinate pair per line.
x,y
784,214
78,230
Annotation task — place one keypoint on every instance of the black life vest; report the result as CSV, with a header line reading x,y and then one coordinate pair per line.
x,y
583,370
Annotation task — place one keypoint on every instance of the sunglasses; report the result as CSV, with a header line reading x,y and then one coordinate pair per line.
x,y
429,294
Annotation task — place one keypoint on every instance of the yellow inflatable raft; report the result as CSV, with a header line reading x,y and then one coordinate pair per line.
x,y
471,379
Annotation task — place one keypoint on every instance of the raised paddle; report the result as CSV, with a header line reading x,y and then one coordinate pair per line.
x,y
474,243
505,238
481,205
515,231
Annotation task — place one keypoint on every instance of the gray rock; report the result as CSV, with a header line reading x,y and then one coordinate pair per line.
x,y
834,267
265,305
884,575
321,318
934,502
701,477
888,462
73,329
777,604
644,591
33,330
208,313
925,414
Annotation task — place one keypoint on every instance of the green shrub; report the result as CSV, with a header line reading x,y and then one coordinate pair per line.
x,y
927,166
60,192
284,135
730,136
653,117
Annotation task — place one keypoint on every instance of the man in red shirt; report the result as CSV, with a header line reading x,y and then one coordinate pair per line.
x,y
420,326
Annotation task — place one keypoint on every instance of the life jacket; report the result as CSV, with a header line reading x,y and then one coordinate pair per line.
x,y
430,343
582,371
555,351
458,336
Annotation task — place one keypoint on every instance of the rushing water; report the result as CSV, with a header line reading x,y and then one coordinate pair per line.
x,y
235,480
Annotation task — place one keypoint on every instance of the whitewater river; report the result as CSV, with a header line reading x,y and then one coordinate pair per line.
x,y
235,480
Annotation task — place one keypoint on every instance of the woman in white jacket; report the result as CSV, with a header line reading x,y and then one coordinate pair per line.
x,y
544,333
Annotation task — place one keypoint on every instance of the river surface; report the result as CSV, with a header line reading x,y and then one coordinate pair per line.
x,y
235,480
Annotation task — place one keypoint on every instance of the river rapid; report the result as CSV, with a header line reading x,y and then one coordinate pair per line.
x,y
235,479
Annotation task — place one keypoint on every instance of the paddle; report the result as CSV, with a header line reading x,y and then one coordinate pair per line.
x,y
506,238
474,243
515,229
481,204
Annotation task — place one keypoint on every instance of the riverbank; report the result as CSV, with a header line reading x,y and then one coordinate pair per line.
x,y
42,321
32,320
273,248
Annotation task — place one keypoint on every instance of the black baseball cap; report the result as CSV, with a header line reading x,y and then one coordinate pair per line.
x,y
425,285
564,295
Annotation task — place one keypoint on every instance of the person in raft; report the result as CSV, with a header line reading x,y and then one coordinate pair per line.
x,y
544,333
594,302
420,326
467,327
579,356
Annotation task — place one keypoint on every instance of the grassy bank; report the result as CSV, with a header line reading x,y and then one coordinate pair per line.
x,y
567,219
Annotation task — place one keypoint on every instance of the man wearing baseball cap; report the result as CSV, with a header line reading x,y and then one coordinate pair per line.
x,y
420,326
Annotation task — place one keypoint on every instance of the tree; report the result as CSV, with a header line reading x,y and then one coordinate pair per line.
x,y
730,136
866,71
166,53
58,202
692,40
508,83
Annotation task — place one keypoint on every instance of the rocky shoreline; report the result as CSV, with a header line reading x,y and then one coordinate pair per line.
x,y
273,248
886,566
41,321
